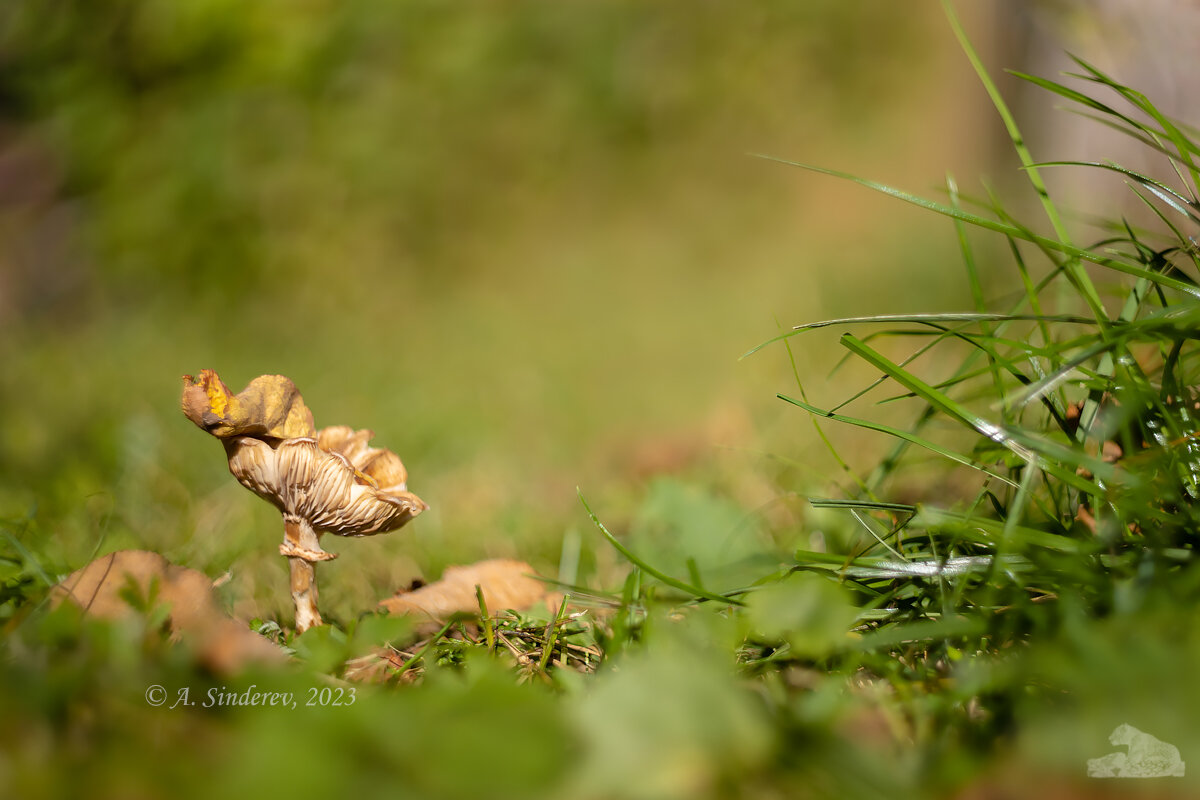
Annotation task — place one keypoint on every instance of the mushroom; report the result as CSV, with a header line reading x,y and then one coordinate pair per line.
x,y
323,481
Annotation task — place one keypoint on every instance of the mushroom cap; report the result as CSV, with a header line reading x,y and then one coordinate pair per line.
x,y
330,478
335,481
381,468
270,406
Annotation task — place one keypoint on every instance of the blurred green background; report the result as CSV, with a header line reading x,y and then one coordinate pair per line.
x,y
524,242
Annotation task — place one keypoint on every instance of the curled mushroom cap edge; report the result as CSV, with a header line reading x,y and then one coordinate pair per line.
x,y
324,488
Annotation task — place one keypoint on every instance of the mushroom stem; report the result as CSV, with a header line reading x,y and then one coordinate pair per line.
x,y
301,544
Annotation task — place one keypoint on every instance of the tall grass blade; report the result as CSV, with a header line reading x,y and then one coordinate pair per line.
x,y
648,569
899,434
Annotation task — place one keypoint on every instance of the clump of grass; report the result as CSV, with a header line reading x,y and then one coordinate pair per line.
x,y
535,648
1078,405
1075,404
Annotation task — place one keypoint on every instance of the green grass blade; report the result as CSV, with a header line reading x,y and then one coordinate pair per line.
x,y
1025,445
1077,97
485,619
1168,224
647,568
550,635
1171,131
932,319
1036,390
833,451
864,505
1137,134
973,279
991,531
1165,193
417,656
938,318
1075,270
1017,232
899,434
922,631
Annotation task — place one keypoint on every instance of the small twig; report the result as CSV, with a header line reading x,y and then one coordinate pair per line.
x,y
522,658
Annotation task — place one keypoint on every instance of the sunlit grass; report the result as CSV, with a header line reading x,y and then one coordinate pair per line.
x,y
963,571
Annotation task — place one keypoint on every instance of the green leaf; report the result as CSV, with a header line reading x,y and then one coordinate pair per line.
x,y
808,611
648,569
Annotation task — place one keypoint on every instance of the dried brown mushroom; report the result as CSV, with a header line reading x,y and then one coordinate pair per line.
x,y
324,481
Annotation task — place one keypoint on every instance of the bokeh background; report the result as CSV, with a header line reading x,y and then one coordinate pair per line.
x,y
526,243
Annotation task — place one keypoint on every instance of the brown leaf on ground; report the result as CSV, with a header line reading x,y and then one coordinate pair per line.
x,y
269,407
105,587
505,583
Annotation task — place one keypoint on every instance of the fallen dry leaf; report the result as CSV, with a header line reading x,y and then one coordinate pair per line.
x,y
505,583
221,642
